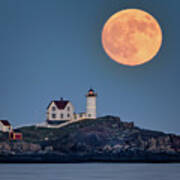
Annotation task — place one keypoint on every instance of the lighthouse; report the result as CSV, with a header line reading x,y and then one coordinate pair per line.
x,y
91,104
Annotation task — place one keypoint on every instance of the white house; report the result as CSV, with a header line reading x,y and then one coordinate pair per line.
x,y
59,112
5,126
62,111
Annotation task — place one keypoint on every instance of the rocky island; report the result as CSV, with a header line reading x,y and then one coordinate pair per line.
x,y
105,139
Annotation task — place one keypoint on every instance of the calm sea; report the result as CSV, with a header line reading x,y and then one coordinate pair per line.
x,y
90,171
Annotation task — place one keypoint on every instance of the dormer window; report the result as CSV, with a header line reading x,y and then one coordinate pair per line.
x,y
53,108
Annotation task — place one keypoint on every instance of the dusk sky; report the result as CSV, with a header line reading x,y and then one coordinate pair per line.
x,y
52,48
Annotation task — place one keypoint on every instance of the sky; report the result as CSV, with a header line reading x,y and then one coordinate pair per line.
x,y
52,48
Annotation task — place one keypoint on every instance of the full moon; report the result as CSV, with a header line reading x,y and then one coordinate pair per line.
x,y
131,37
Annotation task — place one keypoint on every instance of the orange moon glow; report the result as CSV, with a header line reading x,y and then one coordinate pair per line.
x,y
131,37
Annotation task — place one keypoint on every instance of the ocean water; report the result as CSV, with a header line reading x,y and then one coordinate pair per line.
x,y
90,171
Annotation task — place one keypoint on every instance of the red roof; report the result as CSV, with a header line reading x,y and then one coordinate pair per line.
x,y
5,122
61,104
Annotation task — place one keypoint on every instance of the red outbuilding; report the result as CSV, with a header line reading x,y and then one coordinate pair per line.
x,y
13,135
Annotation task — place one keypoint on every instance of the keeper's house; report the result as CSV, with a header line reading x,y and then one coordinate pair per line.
x,y
5,126
59,112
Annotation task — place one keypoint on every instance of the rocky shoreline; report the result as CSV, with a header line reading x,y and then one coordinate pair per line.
x,y
56,158
106,139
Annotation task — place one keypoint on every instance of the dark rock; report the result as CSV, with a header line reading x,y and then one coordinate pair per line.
x,y
103,139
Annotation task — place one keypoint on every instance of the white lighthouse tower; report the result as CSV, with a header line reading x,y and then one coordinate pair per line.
x,y
91,104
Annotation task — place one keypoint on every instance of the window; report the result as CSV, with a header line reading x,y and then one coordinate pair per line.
x,y
89,115
61,116
53,115
53,108
68,115
68,108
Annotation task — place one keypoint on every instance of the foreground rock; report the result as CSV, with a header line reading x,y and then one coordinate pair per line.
x,y
104,139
